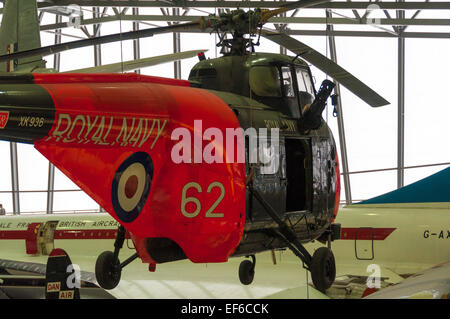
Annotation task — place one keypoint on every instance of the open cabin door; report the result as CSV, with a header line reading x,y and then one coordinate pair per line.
x,y
298,174
323,175
269,180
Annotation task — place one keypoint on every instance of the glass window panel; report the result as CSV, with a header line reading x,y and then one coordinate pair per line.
x,y
5,167
269,159
301,81
288,84
33,202
70,202
73,200
33,168
308,82
305,89
265,81
62,182
415,174
6,201
371,133
427,110
368,185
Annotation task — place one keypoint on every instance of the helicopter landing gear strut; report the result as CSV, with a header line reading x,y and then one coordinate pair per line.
x,y
108,268
247,270
321,265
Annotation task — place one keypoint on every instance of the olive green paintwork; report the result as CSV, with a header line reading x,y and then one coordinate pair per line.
x,y
231,72
228,78
19,31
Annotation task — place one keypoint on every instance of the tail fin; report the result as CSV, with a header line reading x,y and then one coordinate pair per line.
x,y
19,31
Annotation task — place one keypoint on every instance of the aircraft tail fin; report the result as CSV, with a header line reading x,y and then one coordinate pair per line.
x,y
19,31
432,189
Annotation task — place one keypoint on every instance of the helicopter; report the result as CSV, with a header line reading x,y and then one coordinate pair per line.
x,y
115,136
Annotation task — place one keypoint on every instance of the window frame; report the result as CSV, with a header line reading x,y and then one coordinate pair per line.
x,y
294,81
308,71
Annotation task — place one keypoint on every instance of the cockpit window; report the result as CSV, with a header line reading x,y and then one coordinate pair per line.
x,y
304,81
305,88
265,81
288,83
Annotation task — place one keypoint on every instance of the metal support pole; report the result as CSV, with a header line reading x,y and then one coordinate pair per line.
x,y
176,49
97,48
51,167
136,43
50,187
401,105
283,50
340,119
15,178
57,56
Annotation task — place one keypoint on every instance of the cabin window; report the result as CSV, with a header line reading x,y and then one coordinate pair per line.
x,y
203,73
265,81
268,155
207,72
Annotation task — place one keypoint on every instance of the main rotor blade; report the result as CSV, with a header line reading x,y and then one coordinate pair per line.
x,y
290,6
52,49
327,66
137,64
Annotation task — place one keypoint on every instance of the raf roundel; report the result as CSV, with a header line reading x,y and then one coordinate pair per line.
x,y
131,186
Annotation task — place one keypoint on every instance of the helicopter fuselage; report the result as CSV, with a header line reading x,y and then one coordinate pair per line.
x,y
265,91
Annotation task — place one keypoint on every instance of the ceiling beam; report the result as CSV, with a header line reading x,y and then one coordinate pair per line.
x,y
247,4
283,20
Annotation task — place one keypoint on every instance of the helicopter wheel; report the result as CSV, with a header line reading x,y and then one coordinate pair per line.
x,y
107,270
323,268
247,271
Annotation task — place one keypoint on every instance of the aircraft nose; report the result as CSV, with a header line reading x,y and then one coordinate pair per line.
x,y
26,109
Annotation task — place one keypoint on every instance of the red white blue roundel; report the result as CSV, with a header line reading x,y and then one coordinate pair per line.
x,y
131,186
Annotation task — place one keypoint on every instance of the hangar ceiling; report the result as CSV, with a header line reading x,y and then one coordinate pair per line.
x,y
328,19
